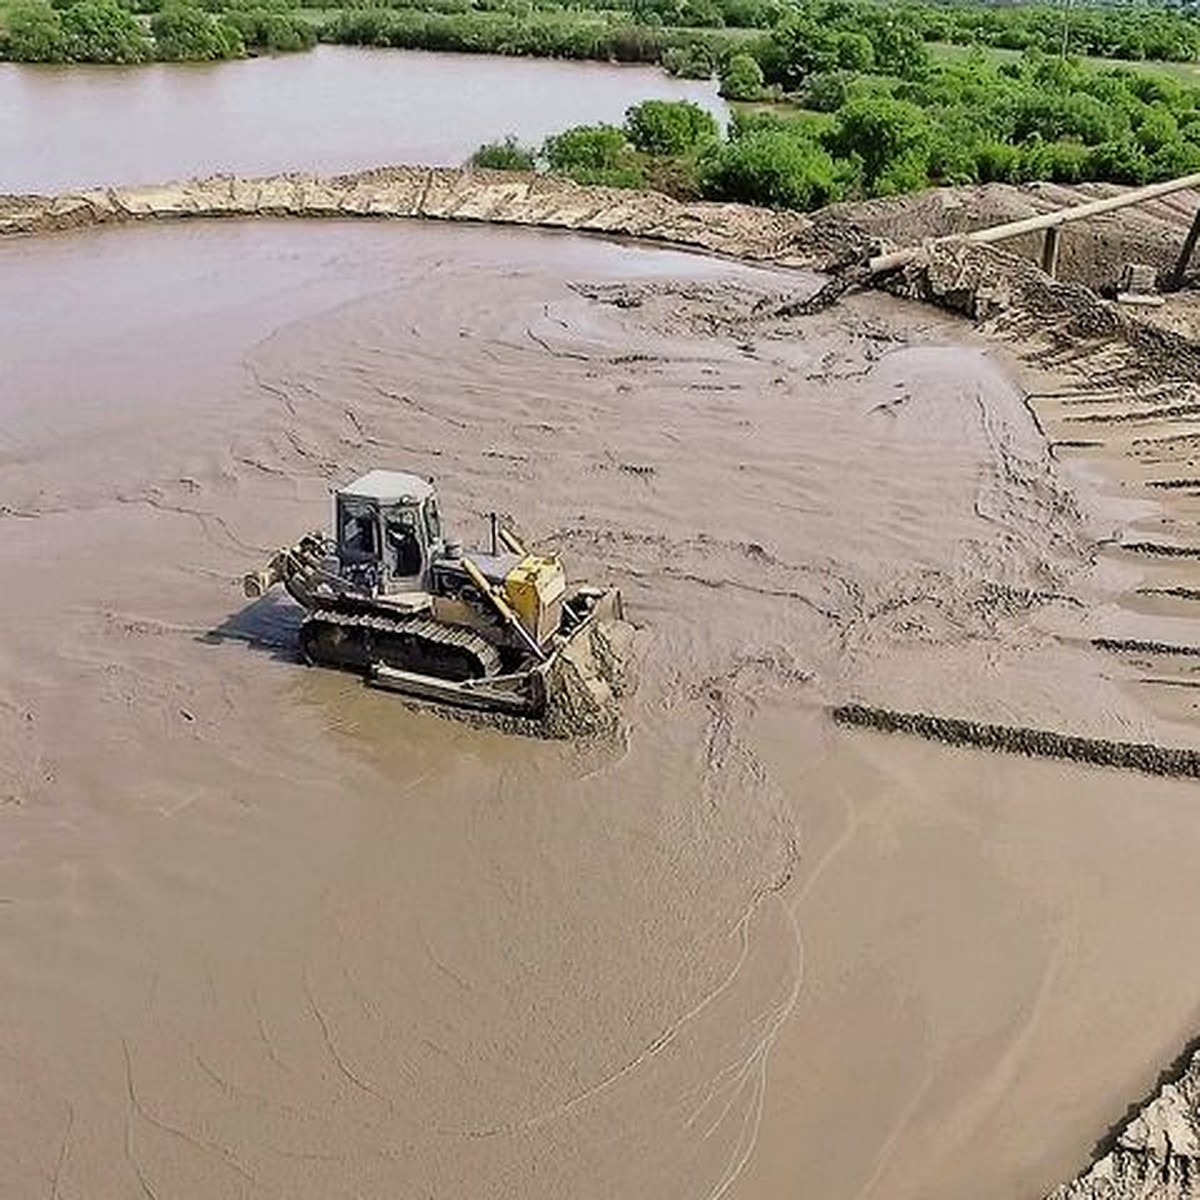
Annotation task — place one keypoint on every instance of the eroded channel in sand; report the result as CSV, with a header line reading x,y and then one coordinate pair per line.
x,y
264,932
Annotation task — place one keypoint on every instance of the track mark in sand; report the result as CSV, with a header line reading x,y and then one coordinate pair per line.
x,y
335,1055
257,465
263,1033
63,1150
272,389
1168,485
205,520
408,402
135,1107
738,585
364,438
1147,414
756,1061
1176,593
150,626
652,1050
545,345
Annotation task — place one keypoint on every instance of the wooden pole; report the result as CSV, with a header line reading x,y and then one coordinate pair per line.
x,y
1050,250
1185,255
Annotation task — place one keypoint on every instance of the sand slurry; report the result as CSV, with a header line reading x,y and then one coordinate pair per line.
x,y
267,930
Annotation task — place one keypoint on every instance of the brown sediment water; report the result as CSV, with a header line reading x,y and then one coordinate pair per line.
x,y
264,932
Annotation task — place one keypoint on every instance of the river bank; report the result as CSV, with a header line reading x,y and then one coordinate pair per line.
x,y
979,588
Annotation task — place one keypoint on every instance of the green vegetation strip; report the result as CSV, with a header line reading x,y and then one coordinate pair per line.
x,y
1033,743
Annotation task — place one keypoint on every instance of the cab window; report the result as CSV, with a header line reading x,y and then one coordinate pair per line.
x,y
358,533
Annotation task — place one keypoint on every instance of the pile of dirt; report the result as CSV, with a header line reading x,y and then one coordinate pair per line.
x,y
1156,1156
1050,319
1092,251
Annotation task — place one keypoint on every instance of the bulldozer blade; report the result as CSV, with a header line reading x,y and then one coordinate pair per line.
x,y
518,695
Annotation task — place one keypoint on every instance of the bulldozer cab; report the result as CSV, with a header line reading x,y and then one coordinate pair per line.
x,y
388,530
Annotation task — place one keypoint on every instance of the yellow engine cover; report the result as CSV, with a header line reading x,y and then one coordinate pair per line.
x,y
535,588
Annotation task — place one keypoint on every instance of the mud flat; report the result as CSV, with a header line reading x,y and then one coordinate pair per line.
x,y
265,932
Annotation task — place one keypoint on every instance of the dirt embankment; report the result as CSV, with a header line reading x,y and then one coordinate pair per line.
x,y
437,194
1093,252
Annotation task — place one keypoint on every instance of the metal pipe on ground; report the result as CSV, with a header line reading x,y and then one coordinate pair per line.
x,y
1051,220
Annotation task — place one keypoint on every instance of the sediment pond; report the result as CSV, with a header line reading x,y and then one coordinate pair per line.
x,y
265,932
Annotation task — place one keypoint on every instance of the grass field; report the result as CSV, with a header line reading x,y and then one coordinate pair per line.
x,y
1184,72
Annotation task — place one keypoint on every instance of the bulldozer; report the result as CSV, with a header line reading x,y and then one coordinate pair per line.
x,y
388,595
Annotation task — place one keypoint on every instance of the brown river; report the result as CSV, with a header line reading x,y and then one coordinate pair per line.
x,y
264,932
333,109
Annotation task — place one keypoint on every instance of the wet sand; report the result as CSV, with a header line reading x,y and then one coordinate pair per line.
x,y
264,932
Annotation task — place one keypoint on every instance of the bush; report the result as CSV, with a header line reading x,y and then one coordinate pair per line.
x,y
1118,162
885,135
101,31
269,31
35,33
773,168
688,62
669,126
594,154
185,33
741,78
507,155
997,162
826,92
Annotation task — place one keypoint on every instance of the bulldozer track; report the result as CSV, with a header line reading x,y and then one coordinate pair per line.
x,y
376,631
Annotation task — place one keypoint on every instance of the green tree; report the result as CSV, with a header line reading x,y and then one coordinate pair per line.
x,y
35,33
855,51
101,31
741,78
804,48
772,168
185,33
669,126
899,48
881,133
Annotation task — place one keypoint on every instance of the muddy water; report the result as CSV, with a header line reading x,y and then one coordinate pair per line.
x,y
334,109
263,932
